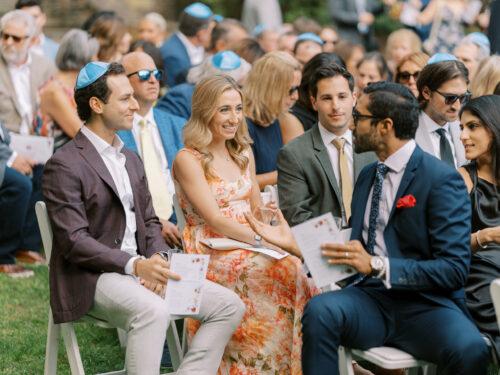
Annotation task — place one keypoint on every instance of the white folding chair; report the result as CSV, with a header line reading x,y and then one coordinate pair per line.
x,y
67,331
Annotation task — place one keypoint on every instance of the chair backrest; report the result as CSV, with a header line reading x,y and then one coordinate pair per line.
x,y
495,296
181,220
45,228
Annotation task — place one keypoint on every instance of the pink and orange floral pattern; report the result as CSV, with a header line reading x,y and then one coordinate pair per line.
x,y
268,341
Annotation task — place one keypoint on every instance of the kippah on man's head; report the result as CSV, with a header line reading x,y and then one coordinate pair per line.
x,y
198,10
91,73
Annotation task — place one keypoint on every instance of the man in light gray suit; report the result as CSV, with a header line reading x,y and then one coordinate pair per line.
x,y
442,88
317,171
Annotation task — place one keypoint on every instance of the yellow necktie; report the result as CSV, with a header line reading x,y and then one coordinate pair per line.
x,y
345,177
162,200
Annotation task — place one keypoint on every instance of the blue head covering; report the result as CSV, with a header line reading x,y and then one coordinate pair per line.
x,y
259,29
218,18
310,37
440,57
199,10
226,61
480,39
90,73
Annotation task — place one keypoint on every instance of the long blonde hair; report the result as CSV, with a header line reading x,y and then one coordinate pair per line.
x,y
197,133
487,77
267,86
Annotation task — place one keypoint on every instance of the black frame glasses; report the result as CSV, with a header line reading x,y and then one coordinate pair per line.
x,y
405,76
15,38
452,98
357,116
145,74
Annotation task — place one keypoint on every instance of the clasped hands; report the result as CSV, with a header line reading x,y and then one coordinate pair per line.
x,y
153,273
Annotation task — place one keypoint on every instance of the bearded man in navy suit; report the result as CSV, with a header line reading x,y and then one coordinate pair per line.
x,y
410,245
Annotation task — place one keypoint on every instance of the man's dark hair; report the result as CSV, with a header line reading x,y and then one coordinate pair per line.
x,y
189,25
28,3
318,61
222,29
394,101
329,71
250,50
435,75
98,89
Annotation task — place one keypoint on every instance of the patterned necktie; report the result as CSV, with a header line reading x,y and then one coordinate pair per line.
x,y
382,170
157,182
445,153
345,177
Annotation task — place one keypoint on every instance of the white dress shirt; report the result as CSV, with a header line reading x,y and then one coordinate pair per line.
x,y
196,54
431,126
397,164
333,153
115,163
21,79
160,152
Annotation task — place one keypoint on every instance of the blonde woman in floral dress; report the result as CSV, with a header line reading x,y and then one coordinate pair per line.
x,y
216,184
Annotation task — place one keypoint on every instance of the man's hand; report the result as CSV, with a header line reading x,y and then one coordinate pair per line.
x,y
23,165
155,270
351,254
171,234
156,288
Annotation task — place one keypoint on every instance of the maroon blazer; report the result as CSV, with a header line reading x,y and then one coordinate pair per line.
x,y
88,223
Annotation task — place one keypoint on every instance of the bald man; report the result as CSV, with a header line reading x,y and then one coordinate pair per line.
x,y
156,136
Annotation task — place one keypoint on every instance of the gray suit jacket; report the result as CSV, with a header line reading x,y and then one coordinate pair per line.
x,y
307,186
5,150
423,139
10,110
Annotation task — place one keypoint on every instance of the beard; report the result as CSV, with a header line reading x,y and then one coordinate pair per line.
x,y
363,143
13,55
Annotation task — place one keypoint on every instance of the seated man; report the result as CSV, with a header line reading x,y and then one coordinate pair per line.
x,y
410,244
107,237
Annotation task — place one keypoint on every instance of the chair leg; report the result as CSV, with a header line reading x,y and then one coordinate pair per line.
x,y
52,347
72,349
345,361
174,345
122,337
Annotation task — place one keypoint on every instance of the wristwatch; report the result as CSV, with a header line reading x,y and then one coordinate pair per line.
x,y
378,266
258,240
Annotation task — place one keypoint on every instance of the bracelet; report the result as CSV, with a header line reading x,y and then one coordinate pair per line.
x,y
479,242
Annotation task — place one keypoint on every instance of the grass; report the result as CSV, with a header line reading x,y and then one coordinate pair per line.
x,y
24,307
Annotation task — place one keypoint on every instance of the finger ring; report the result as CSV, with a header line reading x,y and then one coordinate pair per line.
x,y
346,254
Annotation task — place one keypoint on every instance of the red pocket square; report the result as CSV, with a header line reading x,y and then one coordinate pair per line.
x,y
407,201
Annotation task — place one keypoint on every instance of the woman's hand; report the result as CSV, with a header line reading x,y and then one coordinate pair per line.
x,y
279,235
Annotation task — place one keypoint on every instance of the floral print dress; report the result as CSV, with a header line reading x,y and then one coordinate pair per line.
x,y
268,341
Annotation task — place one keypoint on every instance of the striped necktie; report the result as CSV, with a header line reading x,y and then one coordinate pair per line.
x,y
382,170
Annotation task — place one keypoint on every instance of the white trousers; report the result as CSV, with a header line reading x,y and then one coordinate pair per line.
x,y
123,302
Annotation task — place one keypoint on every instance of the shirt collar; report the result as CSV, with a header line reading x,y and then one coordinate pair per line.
x,y
100,144
149,118
431,125
398,160
328,136
22,66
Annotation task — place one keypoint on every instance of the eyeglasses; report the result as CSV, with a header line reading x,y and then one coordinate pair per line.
x,y
356,116
334,42
145,74
15,38
405,76
452,98
292,90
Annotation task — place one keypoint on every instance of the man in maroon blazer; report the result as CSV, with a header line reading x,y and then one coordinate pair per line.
x,y
107,238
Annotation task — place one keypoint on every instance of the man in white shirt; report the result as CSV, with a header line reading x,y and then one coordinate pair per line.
x,y
107,259
317,171
410,245
442,90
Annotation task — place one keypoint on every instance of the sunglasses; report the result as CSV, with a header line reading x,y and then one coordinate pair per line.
x,y
405,76
292,90
145,74
15,38
452,98
356,116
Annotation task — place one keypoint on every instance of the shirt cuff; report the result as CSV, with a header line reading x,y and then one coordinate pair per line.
x,y
386,276
129,267
10,160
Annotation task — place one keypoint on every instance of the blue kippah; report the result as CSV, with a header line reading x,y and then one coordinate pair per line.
x,y
226,60
310,37
479,39
440,57
259,29
199,10
90,73
218,18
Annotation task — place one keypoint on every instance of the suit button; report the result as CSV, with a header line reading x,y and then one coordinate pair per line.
x,y
118,241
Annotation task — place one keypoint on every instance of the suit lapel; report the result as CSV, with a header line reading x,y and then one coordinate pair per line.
x,y
360,198
324,159
6,80
165,135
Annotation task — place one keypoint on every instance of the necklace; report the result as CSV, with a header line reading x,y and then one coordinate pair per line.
x,y
225,157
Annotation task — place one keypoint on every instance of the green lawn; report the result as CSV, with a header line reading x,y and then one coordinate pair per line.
x,y
23,331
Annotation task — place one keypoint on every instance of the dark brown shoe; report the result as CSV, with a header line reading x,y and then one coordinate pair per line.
x,y
30,257
15,271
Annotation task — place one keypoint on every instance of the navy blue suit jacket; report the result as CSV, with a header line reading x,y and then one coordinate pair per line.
x,y
429,244
175,60
177,100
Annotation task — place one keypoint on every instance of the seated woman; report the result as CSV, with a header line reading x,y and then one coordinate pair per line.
x,y
57,116
270,90
480,123
408,70
216,184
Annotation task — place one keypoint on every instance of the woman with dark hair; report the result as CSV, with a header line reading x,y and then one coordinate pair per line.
x,y
371,68
302,115
480,124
